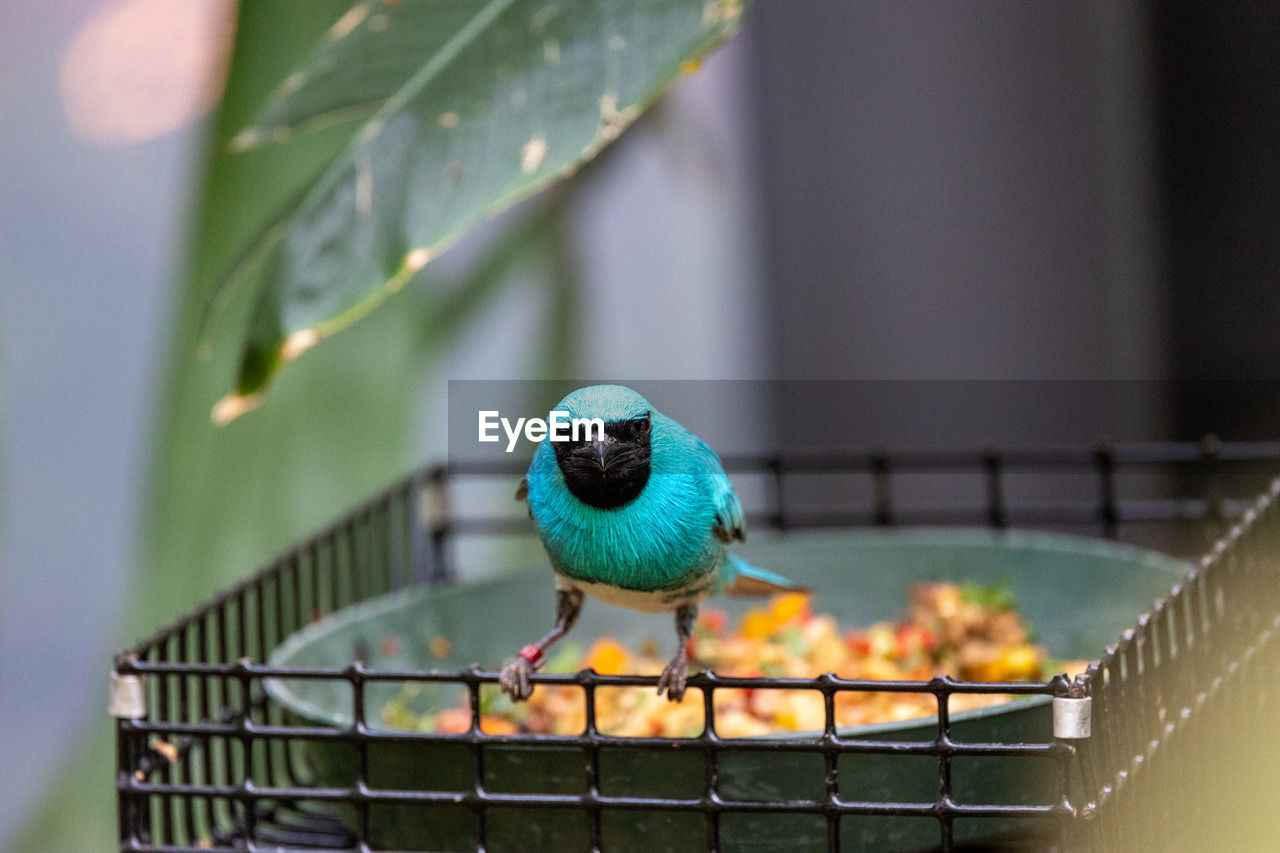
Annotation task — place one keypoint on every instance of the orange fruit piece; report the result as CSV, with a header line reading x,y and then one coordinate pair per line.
x,y
607,657
453,721
756,625
497,726
788,607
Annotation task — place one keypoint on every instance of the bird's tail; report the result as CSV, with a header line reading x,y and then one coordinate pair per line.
x,y
742,578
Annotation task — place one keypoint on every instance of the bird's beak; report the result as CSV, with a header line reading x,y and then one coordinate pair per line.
x,y
602,452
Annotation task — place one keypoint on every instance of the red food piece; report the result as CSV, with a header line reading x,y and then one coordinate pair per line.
x,y
714,621
858,642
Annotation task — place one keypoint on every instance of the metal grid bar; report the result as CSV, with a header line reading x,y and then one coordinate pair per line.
x,y
1187,695
215,765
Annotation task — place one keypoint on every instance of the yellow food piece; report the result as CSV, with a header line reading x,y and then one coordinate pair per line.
x,y
786,608
756,625
989,662
883,644
1020,663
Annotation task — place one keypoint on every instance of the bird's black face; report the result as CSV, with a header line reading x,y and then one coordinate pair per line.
x,y
610,472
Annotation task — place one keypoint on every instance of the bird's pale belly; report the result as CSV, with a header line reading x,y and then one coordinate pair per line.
x,y
654,601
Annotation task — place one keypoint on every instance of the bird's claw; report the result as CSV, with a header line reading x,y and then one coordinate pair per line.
x,y
673,679
514,679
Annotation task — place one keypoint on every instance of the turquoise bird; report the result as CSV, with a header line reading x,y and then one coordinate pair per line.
x,y
640,518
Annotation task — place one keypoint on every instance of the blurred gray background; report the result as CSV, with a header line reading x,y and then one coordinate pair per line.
x,y
879,191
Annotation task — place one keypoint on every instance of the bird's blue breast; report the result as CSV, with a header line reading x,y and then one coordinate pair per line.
x,y
662,539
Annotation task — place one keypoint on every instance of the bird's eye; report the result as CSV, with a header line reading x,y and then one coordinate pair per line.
x,y
643,424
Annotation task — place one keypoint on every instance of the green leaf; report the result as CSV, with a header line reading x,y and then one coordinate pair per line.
x,y
993,596
463,108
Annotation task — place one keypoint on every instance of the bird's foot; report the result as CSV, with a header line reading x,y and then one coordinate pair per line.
x,y
673,678
514,679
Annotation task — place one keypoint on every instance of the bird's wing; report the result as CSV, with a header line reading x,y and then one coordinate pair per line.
x,y
729,524
522,494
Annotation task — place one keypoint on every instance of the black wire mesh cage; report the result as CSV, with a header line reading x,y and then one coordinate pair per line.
x,y
1147,747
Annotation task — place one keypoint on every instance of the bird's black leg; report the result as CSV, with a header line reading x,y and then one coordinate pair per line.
x,y
673,678
515,675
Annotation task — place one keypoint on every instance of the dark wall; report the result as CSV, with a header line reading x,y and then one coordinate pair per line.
x,y
962,190
1084,190
1219,130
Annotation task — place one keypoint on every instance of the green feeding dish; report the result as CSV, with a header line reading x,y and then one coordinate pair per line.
x,y
1079,594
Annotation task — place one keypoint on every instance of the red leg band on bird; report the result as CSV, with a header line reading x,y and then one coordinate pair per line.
x,y
532,654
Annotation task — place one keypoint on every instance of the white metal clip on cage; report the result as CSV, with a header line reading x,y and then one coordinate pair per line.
x,y
128,696
1072,717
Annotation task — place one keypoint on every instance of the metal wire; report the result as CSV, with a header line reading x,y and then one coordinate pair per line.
x,y
1185,701
216,765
